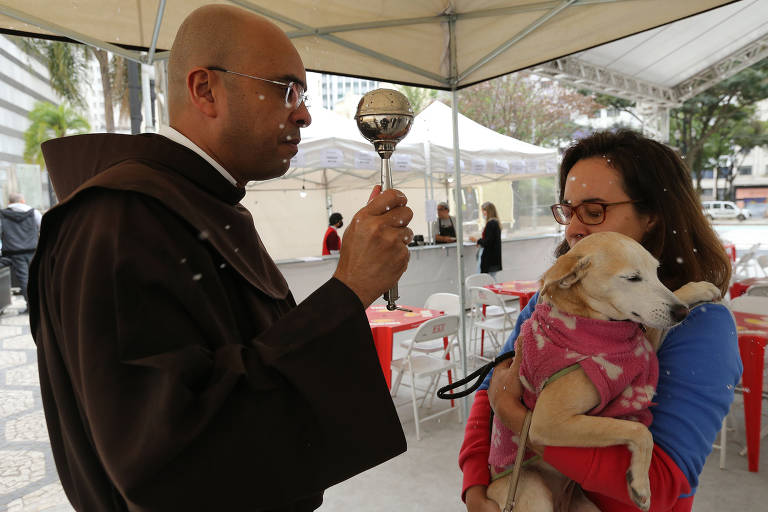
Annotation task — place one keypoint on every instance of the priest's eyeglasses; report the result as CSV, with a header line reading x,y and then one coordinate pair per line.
x,y
295,94
588,212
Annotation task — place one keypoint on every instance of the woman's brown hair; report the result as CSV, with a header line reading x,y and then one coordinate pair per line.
x,y
654,175
490,210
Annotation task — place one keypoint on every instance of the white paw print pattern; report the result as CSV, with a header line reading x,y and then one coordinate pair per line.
x,y
611,370
637,397
541,340
643,349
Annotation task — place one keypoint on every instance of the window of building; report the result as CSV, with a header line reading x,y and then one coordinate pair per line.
x,y
745,170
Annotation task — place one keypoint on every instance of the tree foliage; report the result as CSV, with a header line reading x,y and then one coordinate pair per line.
x,y
419,97
716,122
67,65
522,106
48,122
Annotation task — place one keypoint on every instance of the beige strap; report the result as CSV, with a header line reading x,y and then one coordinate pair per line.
x,y
510,505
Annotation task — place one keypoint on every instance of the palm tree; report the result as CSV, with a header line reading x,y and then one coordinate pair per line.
x,y
48,122
67,65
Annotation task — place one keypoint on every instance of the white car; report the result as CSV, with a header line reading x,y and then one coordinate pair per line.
x,y
724,210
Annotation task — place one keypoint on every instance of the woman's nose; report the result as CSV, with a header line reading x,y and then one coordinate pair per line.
x,y
576,229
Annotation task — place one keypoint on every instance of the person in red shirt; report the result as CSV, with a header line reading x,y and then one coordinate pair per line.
x,y
331,239
627,183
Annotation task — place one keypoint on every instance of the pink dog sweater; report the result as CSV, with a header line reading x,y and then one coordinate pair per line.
x,y
615,355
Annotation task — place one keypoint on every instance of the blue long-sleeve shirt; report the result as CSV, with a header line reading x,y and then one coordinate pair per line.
x,y
699,366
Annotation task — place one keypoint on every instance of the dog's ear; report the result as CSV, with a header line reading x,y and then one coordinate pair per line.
x,y
567,271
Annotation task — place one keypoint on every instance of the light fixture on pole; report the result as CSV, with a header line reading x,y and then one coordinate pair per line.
x,y
303,191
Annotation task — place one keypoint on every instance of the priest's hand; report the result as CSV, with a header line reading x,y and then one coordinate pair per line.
x,y
374,250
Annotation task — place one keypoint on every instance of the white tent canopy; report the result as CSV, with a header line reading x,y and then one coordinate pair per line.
x,y
433,43
333,155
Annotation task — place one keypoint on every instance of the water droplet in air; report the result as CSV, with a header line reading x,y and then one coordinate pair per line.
x,y
261,96
183,261
679,260
674,232
282,126
223,265
197,277
227,226
288,137
237,249
668,372
203,234
694,250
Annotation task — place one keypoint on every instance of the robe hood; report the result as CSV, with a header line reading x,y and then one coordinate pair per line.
x,y
176,176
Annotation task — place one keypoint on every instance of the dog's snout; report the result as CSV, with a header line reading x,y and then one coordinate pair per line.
x,y
679,312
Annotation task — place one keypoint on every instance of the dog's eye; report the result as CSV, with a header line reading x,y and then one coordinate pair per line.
x,y
634,278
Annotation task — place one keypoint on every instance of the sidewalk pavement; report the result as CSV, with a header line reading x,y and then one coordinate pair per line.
x,y
28,479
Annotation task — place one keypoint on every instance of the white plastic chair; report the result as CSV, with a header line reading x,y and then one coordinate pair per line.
x,y
496,326
747,265
759,290
448,303
479,280
750,304
419,366
762,262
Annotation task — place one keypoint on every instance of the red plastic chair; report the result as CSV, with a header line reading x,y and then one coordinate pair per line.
x,y
752,350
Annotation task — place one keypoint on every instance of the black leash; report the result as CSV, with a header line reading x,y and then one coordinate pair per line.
x,y
481,372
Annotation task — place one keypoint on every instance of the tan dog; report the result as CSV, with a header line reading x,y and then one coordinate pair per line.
x,y
606,276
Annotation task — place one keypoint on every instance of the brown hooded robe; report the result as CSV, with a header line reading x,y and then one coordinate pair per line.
x,y
177,372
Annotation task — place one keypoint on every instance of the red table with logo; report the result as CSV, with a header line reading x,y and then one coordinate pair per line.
x,y
753,338
384,324
740,287
522,289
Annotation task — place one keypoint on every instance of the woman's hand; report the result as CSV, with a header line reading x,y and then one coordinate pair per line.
x,y
477,501
473,239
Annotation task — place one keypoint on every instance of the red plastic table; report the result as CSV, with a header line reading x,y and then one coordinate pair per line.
x,y
740,287
753,338
384,324
730,249
522,289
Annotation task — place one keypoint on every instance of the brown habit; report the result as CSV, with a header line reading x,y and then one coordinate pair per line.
x,y
177,371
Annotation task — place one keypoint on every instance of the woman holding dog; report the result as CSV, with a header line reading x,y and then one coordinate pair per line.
x,y
630,184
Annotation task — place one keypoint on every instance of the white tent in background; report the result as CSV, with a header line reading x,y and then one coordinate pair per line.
x,y
486,155
333,155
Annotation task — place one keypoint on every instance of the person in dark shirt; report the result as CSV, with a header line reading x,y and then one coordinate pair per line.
x,y
489,252
20,226
444,227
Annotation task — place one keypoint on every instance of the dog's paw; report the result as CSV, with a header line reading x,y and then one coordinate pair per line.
x,y
639,491
699,291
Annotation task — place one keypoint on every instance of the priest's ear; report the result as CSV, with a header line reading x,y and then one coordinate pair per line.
x,y
200,90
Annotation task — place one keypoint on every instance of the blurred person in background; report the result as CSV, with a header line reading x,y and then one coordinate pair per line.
x,y
444,227
21,227
331,239
489,245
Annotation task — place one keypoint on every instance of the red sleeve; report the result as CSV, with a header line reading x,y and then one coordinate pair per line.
x,y
333,242
473,457
603,470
